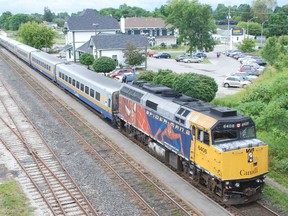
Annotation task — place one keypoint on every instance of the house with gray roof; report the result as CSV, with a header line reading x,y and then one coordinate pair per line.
x,y
113,45
79,29
155,29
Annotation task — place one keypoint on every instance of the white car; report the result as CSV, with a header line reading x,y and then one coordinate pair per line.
x,y
246,76
235,81
192,60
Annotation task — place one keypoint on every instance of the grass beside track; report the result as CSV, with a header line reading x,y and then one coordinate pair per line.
x,y
277,198
13,201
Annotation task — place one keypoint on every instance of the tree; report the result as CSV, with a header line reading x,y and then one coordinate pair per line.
x,y
196,86
244,12
36,35
262,8
16,20
272,50
221,12
86,59
48,15
195,23
104,64
133,56
247,45
4,20
278,24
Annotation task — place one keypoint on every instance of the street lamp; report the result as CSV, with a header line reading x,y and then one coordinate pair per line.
x,y
248,25
96,25
262,31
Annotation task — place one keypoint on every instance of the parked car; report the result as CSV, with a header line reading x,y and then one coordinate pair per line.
x,y
251,66
235,81
252,72
162,55
120,72
200,55
180,58
192,60
245,75
126,78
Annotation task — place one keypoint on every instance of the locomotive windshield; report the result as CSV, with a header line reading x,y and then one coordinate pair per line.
x,y
233,134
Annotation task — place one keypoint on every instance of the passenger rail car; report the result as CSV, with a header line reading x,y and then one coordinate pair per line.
x,y
24,52
45,63
98,91
215,146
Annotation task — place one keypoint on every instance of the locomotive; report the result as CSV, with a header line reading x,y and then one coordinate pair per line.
x,y
215,146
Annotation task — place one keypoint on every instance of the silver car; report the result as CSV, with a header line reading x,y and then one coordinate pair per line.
x,y
192,60
235,81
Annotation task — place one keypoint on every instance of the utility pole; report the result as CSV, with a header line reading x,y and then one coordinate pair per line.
x,y
229,31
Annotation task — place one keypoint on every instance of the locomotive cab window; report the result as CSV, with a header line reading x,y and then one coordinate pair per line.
x,y
224,136
203,137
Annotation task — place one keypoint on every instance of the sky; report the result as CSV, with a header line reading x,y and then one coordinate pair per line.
x,y
73,6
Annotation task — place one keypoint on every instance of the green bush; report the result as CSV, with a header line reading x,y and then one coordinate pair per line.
x,y
147,76
165,78
252,108
260,93
104,64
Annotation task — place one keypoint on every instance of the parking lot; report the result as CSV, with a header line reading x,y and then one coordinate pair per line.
x,y
218,68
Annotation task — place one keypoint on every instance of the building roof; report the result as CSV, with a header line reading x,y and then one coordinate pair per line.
x,y
118,41
86,48
145,22
85,21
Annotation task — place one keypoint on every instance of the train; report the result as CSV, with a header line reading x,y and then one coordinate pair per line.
x,y
214,146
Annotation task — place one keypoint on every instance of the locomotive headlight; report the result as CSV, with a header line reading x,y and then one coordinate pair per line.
x,y
250,157
237,184
258,180
227,183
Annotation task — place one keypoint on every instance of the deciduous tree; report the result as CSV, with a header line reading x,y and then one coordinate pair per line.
x,y
36,35
86,59
133,56
195,23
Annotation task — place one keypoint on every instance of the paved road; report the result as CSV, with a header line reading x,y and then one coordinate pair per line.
x,y
218,68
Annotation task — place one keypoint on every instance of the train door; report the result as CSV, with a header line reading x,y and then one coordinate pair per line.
x,y
193,146
202,147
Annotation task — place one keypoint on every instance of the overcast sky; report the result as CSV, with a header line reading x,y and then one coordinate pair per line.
x,y
73,6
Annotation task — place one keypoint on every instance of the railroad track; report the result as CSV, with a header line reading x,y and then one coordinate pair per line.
x,y
254,209
143,189
42,167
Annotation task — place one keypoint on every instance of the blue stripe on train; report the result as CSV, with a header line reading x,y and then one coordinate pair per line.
x,y
105,113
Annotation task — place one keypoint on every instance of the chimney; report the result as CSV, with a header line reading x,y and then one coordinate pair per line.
x,y
122,24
